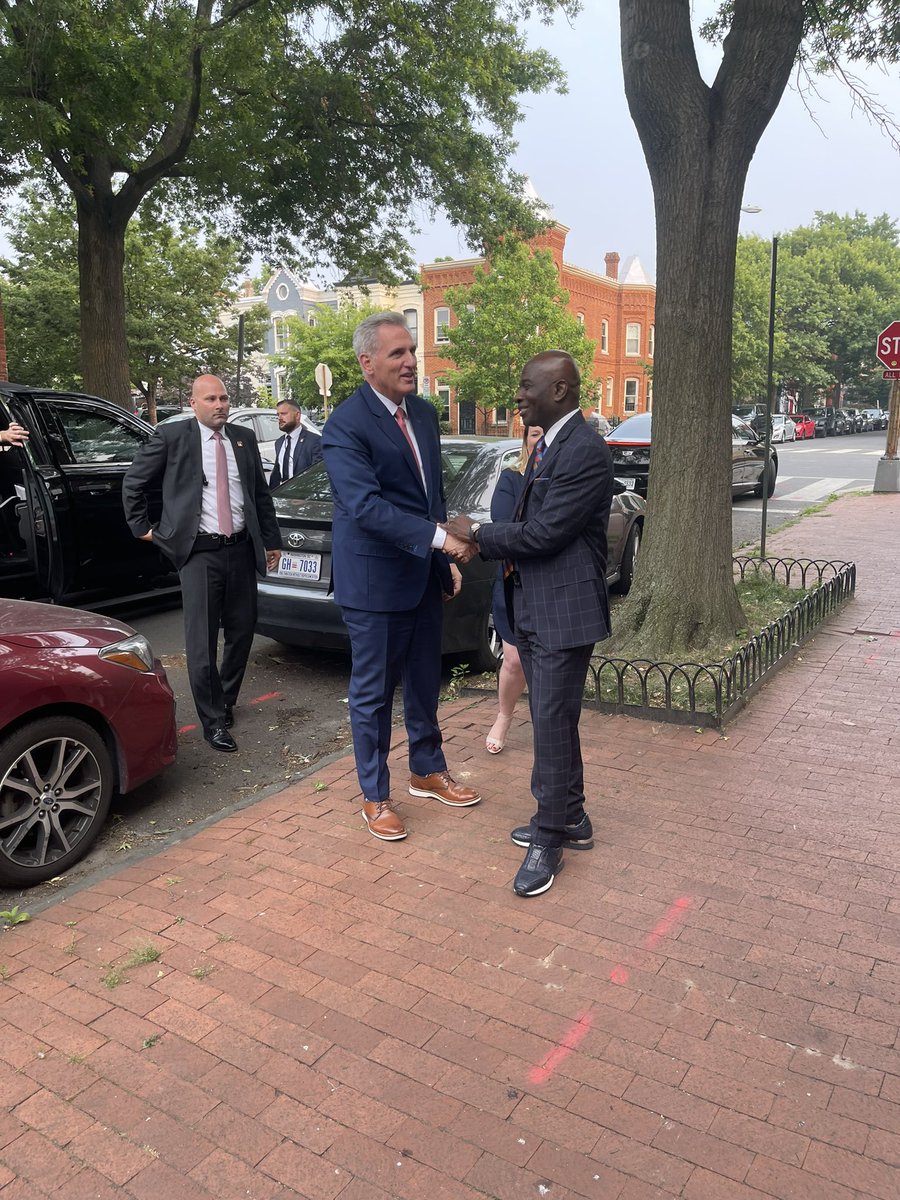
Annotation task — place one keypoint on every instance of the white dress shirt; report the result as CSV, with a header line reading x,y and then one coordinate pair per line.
x,y
209,509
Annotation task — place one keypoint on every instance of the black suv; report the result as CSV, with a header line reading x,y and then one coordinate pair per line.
x,y
63,534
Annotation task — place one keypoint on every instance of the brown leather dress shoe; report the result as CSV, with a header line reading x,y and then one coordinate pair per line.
x,y
382,821
440,786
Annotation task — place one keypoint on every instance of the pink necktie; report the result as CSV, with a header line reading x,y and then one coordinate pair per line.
x,y
223,497
401,421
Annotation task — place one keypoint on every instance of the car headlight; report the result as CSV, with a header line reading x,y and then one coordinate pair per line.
x,y
133,652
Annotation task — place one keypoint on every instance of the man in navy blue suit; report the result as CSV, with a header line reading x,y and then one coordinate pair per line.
x,y
390,572
297,448
555,547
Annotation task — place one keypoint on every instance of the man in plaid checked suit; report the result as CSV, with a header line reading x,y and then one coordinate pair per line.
x,y
556,550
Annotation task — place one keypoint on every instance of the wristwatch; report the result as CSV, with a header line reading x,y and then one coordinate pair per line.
x,y
473,529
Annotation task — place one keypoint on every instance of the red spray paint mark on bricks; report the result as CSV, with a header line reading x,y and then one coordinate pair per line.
x,y
264,698
675,912
186,728
554,1057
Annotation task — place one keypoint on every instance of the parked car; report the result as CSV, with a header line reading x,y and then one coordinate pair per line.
x,y
853,421
263,422
826,421
783,428
874,418
295,601
163,412
62,529
630,445
754,415
85,711
804,426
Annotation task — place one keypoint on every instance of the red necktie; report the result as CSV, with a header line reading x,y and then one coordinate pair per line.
x,y
400,416
223,496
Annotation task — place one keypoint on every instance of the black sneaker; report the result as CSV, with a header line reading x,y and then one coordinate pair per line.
x,y
541,866
578,837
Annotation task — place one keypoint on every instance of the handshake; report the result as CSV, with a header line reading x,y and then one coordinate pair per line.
x,y
460,544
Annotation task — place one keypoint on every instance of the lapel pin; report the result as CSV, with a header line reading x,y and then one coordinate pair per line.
x,y
239,443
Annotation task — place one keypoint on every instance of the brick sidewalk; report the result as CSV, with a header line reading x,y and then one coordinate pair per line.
x,y
704,1006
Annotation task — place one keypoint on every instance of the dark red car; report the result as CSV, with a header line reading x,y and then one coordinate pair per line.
x,y
85,711
805,425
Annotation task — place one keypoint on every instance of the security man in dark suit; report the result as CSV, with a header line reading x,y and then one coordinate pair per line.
x,y
297,448
218,527
555,548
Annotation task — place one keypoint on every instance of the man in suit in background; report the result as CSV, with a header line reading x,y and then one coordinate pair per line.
x,y
297,448
218,527
389,570
555,550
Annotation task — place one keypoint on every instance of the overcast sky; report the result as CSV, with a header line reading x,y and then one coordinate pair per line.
x,y
583,155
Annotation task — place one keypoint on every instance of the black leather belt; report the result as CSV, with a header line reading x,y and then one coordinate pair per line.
x,y
215,541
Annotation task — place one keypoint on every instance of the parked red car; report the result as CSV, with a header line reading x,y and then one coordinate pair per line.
x,y
85,711
805,425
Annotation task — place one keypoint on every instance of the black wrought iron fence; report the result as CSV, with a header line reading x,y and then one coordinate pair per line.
x,y
710,693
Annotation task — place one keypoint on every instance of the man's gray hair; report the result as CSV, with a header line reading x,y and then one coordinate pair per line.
x,y
365,335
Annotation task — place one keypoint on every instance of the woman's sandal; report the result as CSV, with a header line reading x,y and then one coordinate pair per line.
x,y
496,739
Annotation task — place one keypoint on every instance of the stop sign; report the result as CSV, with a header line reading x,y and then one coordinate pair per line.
x,y
887,348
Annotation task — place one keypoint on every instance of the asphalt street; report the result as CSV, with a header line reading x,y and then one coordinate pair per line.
x,y
293,708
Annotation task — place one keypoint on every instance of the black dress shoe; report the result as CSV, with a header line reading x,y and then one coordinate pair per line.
x,y
541,866
578,837
229,715
221,739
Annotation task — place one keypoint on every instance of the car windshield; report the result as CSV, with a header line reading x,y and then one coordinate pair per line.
x,y
745,411
470,472
635,428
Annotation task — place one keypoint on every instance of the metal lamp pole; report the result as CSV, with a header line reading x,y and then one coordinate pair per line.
x,y
770,399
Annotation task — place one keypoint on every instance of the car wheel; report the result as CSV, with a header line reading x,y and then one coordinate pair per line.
x,y
489,651
768,480
629,560
56,783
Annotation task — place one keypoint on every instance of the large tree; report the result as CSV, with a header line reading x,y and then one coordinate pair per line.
x,y
698,140
328,340
514,309
177,283
322,121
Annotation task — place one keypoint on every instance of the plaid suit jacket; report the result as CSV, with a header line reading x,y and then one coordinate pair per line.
x,y
559,542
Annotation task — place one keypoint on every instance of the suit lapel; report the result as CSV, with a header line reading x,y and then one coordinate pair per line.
x,y
393,431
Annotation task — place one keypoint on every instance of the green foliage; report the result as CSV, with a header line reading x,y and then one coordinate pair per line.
x,y
177,282
329,341
513,310
838,284
13,916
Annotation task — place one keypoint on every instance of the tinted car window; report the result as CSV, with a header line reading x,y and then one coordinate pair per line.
x,y
741,431
96,438
266,425
311,484
633,428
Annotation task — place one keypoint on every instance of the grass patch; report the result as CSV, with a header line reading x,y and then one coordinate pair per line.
x,y
139,956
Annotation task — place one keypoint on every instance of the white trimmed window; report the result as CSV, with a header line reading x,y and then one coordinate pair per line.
x,y
282,291
579,317
651,341
649,395
604,336
633,338
442,391
609,391
411,317
441,324
631,395
279,335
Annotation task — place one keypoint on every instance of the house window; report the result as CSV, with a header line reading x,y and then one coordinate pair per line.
x,y
609,391
604,336
442,391
501,415
282,291
441,324
651,341
411,317
632,338
279,388
311,319
631,395
649,395
579,317
279,335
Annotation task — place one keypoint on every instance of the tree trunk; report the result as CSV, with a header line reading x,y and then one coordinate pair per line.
x,y
101,265
698,141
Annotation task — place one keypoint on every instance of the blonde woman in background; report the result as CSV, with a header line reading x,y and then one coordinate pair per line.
x,y
511,680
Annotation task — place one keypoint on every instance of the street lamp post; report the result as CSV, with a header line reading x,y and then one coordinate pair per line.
x,y
769,399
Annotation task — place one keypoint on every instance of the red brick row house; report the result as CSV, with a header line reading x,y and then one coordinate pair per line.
x,y
617,314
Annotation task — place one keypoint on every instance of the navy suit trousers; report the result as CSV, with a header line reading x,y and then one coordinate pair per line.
x,y
555,691
390,648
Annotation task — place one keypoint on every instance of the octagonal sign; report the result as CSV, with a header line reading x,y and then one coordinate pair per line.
x,y
887,348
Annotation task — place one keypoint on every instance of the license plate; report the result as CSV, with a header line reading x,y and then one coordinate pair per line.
x,y
299,566
629,482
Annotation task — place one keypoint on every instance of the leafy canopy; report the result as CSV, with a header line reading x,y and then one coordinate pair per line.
x,y
329,340
514,309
